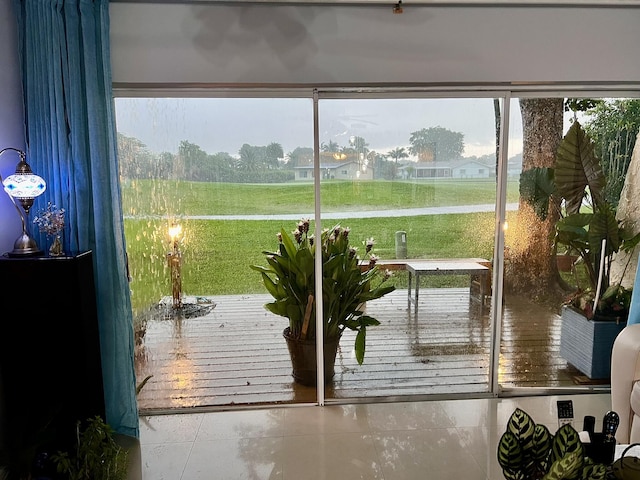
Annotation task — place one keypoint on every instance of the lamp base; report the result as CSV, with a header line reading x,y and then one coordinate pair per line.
x,y
24,246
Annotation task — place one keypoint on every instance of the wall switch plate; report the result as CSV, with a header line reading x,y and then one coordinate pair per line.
x,y
565,412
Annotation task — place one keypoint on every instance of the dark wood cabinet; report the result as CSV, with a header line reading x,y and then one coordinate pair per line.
x,y
50,365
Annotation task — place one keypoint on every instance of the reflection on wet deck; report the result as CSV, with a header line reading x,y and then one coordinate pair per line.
x,y
236,355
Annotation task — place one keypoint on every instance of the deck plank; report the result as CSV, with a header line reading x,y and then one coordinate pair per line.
x,y
236,355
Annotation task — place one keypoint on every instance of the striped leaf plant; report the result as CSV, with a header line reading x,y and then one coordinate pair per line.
x,y
529,451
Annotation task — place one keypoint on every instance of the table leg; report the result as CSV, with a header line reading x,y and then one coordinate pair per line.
x,y
417,289
483,283
409,290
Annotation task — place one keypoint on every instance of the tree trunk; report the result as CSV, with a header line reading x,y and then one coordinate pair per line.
x,y
530,267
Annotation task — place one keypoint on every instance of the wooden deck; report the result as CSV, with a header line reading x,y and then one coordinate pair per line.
x,y
236,355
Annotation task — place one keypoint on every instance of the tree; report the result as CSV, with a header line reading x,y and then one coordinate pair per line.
x,y
220,168
436,143
274,154
374,161
359,146
330,147
396,154
613,125
163,166
135,159
301,156
249,158
191,159
530,265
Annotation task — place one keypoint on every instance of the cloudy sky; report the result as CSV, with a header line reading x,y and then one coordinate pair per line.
x,y
225,124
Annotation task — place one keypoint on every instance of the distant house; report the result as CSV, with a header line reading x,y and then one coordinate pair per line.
x,y
462,168
335,170
514,166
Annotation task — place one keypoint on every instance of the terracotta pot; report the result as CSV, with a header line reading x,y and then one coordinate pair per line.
x,y
303,359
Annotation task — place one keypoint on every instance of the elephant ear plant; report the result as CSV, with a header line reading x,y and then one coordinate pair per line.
x,y
586,222
528,451
346,284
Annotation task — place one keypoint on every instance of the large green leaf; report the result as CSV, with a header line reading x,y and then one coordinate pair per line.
x,y
536,187
567,467
361,338
542,439
522,426
577,170
573,231
565,441
509,451
594,471
604,226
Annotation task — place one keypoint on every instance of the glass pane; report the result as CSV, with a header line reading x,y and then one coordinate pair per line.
x,y
222,171
552,248
418,177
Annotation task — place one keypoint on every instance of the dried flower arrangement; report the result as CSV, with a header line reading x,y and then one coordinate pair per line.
x,y
50,220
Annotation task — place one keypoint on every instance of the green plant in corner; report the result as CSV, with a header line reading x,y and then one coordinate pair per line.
x,y
97,455
346,284
587,223
528,451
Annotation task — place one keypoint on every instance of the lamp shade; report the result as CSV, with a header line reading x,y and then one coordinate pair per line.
x,y
24,184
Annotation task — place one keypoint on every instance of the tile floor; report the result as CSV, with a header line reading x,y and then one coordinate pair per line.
x,y
446,439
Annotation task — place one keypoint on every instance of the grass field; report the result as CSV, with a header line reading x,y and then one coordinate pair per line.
x,y
161,197
216,254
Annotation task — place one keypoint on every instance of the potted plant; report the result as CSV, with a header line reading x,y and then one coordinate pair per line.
x,y
346,287
528,451
587,226
97,455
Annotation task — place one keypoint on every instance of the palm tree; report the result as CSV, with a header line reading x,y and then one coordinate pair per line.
x,y
397,153
274,153
249,160
329,147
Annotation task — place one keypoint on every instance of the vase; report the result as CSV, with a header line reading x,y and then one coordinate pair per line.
x,y
56,247
303,359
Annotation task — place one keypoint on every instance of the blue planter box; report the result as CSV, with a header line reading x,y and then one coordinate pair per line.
x,y
587,344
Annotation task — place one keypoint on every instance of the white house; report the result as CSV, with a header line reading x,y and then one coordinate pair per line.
x,y
462,168
335,170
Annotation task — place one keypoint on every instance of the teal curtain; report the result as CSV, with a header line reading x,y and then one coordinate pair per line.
x,y
71,143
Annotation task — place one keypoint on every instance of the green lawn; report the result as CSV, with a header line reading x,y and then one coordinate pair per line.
x,y
157,197
216,254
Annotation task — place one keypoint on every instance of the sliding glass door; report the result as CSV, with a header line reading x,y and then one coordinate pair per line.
x,y
579,149
418,177
432,182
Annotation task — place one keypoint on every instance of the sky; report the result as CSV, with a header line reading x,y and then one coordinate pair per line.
x,y
225,124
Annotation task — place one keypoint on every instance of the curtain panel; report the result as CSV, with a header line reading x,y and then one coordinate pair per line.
x,y
71,142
